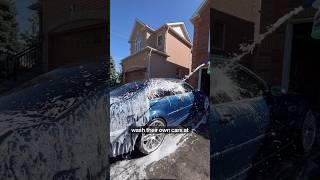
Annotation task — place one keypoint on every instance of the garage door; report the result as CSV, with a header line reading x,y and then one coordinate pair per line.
x,y
135,76
77,46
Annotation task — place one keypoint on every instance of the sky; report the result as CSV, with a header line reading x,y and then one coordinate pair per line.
x,y
23,14
154,13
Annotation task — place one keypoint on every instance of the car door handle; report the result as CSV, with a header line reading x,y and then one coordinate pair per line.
x,y
226,118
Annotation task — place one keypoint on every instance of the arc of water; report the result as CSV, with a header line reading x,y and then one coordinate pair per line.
x,y
248,48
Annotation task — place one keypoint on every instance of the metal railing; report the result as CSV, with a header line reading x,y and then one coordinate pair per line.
x,y
12,66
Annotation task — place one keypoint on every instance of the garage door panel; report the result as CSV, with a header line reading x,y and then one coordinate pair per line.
x,y
135,76
77,46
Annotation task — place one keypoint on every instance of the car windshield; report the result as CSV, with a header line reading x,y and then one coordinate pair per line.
x,y
127,90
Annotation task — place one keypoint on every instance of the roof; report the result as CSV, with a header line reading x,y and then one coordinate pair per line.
x,y
196,14
184,29
136,23
181,24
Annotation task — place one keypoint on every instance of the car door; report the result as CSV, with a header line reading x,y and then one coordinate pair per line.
x,y
185,102
166,104
239,113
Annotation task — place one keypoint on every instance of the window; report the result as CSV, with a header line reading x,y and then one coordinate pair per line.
x,y
234,83
159,40
218,35
187,88
159,93
138,42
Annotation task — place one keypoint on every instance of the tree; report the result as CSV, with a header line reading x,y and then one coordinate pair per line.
x,y
8,27
113,73
120,74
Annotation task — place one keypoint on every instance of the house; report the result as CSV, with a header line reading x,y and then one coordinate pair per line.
x,y
219,28
288,58
157,53
73,31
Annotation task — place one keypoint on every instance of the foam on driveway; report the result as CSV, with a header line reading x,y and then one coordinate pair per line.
x,y
181,156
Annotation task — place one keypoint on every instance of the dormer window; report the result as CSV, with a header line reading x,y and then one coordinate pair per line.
x,y
159,40
138,42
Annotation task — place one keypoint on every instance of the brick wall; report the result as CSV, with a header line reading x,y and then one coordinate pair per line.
x,y
236,31
200,52
268,57
60,12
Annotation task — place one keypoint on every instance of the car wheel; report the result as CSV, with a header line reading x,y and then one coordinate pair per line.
x,y
308,134
150,142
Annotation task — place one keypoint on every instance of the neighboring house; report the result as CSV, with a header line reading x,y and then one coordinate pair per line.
x,y
158,53
73,31
232,23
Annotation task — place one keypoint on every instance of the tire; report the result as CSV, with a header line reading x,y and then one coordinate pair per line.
x,y
307,135
149,142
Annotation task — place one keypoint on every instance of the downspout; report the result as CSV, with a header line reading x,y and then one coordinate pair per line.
x,y
149,62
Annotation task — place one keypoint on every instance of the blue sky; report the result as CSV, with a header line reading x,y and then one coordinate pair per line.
x,y
23,14
152,12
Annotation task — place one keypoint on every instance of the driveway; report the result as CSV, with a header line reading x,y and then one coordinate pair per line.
x,y
181,156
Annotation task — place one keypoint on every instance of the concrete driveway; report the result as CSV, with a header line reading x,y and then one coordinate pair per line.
x,y
181,156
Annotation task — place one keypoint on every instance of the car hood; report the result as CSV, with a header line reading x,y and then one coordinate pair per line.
x,y
46,98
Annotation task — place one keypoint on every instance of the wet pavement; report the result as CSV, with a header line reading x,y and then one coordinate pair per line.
x,y
181,156
187,156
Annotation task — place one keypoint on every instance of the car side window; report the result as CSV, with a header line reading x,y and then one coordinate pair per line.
x,y
232,82
250,87
160,93
187,88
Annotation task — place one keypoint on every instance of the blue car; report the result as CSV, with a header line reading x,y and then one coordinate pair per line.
x,y
253,126
156,102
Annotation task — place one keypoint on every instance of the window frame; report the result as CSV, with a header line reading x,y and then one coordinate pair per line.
x,y
158,37
263,85
189,86
138,42
223,36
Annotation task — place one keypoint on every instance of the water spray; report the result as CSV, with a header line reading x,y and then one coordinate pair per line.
x,y
316,22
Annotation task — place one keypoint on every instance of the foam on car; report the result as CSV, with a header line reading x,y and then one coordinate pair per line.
x,y
134,111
